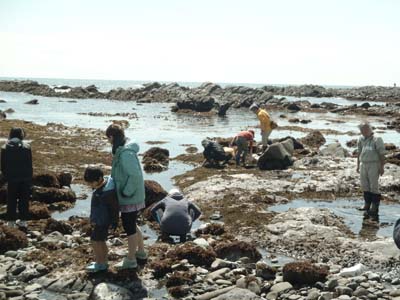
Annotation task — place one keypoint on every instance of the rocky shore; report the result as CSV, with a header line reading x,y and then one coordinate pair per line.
x,y
204,97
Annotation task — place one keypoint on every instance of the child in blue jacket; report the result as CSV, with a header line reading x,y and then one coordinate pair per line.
x,y
104,212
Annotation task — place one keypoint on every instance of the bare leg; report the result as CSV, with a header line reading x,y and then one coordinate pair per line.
x,y
104,252
98,252
139,238
132,246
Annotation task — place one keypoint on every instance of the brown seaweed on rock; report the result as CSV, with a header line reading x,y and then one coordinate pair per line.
x,y
11,239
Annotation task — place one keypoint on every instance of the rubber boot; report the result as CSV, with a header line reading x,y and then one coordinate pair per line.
x,y
374,211
367,201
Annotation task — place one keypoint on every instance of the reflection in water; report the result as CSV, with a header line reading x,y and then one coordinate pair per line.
x,y
369,229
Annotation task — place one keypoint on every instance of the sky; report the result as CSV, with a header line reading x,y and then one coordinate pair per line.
x,y
329,42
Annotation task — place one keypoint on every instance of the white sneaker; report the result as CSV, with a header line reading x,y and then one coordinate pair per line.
x,y
12,224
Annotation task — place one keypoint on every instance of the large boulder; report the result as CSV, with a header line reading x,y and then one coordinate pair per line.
x,y
314,139
304,272
277,156
46,180
334,150
11,239
52,195
38,211
155,159
154,192
296,143
199,104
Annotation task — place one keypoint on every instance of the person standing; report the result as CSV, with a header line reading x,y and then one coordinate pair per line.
x,y
128,177
16,166
265,123
243,140
370,165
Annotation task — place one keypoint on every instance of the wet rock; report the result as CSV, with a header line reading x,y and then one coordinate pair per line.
x,y
2,115
314,139
191,150
296,143
221,263
179,291
303,272
264,271
11,239
9,111
60,226
352,143
155,159
180,278
39,211
293,107
154,192
390,146
52,195
235,250
32,102
46,180
109,291
210,228
161,267
277,156
278,288
3,101
344,290
365,105
199,104
334,150
65,179
196,255
222,109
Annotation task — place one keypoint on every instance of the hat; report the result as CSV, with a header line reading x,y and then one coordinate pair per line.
x,y
175,193
254,106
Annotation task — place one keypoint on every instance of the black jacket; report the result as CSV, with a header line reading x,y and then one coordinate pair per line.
x,y
104,208
213,150
16,161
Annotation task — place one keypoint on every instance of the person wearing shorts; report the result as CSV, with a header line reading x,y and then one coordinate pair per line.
x,y
104,211
128,176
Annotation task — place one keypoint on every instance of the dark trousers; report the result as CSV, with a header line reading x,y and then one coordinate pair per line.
x,y
18,192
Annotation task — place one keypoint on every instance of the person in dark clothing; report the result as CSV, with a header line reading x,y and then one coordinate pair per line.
x,y
175,214
396,233
16,166
104,211
214,153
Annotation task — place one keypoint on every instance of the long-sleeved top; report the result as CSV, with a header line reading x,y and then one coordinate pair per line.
x,y
104,208
178,215
265,120
370,149
16,161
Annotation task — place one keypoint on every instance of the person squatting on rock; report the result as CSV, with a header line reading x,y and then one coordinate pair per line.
x,y
243,140
104,212
370,165
16,166
265,123
214,153
175,214
128,177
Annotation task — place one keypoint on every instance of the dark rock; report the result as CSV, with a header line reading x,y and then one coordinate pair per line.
x,y
196,255
2,115
52,195
161,267
277,156
180,278
390,146
293,107
9,111
303,272
39,211
223,109
314,139
197,104
235,250
60,226
315,105
352,143
3,101
294,120
305,121
154,192
212,229
65,179
365,105
11,239
179,291
46,180
155,159
91,89
32,102
296,144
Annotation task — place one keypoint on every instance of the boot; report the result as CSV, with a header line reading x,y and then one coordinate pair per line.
x,y
374,211
367,202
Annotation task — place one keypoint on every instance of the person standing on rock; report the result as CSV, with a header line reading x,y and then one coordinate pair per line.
x,y
128,176
16,166
265,123
175,214
370,165
104,211
243,140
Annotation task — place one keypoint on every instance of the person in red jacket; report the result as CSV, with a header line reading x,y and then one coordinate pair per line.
x,y
243,140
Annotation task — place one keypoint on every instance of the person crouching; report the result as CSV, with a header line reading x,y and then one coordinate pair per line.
x,y
175,214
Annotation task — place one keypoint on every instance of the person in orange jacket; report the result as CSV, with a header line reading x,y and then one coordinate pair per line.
x,y
265,123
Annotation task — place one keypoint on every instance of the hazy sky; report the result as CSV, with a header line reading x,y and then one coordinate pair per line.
x,y
336,42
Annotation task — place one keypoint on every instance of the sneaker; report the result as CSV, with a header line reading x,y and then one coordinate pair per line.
x,y
95,267
12,224
126,263
141,255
